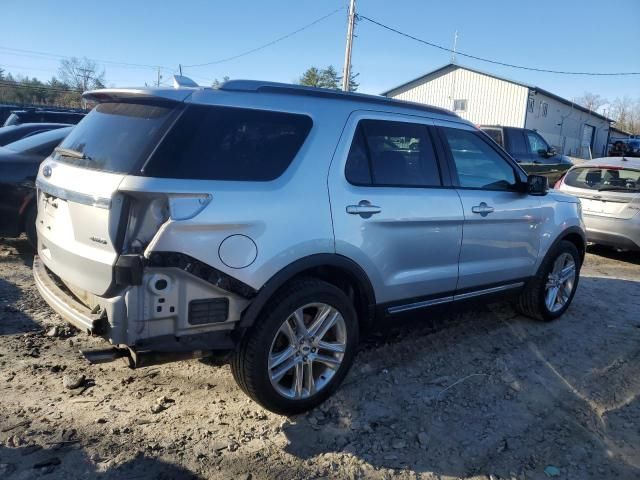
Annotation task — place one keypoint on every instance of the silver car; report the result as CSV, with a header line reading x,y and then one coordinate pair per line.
x,y
278,222
609,189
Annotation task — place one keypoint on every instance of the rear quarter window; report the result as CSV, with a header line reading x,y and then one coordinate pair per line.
x,y
223,143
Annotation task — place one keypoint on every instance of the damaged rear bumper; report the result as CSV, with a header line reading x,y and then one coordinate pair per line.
x,y
64,304
169,312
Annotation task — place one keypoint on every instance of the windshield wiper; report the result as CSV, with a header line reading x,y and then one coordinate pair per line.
x,y
67,152
618,189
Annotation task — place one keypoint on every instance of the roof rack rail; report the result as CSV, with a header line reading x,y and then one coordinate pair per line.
x,y
291,89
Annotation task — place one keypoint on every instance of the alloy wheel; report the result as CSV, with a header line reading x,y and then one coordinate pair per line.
x,y
560,282
307,351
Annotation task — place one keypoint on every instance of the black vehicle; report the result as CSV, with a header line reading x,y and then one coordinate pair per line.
x,y
37,115
19,162
13,133
633,148
530,150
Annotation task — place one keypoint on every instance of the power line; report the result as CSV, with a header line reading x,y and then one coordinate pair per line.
x,y
268,44
495,62
59,56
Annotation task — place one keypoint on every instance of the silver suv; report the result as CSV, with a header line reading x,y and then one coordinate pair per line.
x,y
278,222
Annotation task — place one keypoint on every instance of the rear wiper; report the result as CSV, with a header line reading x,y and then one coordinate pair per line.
x,y
618,189
67,152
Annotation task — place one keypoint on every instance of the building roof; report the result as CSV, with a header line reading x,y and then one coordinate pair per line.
x,y
619,130
453,66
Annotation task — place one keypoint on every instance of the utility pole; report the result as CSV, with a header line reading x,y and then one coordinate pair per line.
x,y
180,68
455,44
346,70
159,78
86,76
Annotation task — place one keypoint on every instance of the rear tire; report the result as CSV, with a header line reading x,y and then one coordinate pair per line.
x,y
537,300
313,325
30,225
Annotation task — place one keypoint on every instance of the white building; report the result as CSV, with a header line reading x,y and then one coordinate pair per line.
x,y
486,99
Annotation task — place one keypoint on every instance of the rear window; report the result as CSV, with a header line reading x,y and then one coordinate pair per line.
x,y
118,137
604,178
222,143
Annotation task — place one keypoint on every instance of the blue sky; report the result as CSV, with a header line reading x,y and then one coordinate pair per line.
x,y
589,35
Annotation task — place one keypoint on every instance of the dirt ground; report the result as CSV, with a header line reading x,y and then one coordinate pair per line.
x,y
482,394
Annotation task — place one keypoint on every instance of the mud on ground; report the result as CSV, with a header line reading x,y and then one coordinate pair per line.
x,y
481,394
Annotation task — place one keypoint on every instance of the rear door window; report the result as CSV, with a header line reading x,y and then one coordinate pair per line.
x,y
518,145
222,143
397,154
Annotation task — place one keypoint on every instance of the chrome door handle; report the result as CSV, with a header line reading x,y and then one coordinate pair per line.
x,y
364,209
483,209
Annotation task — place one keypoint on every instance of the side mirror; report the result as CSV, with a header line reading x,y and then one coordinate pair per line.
x,y
551,152
537,185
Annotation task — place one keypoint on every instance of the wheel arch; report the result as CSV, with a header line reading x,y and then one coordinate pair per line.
x,y
573,234
332,268
576,236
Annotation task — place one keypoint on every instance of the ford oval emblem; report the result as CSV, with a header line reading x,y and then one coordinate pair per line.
x,y
46,171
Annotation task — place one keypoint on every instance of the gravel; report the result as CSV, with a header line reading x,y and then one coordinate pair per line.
x,y
479,394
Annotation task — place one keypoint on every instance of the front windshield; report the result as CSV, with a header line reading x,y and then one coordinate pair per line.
x,y
604,178
34,142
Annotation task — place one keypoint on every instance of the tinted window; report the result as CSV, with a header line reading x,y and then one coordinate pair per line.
x,y
358,169
495,134
603,178
117,137
220,143
477,164
517,143
397,153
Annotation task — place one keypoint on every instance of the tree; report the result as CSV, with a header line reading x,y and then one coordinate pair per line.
x,y
329,78
81,74
217,83
326,78
591,101
311,78
626,112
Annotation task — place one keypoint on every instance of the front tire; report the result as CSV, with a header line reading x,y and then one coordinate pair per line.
x,y
300,348
548,295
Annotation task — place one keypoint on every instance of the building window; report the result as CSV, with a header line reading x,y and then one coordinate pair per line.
x,y
544,106
530,104
459,105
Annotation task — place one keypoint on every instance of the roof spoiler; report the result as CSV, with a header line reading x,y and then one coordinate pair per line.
x,y
182,89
